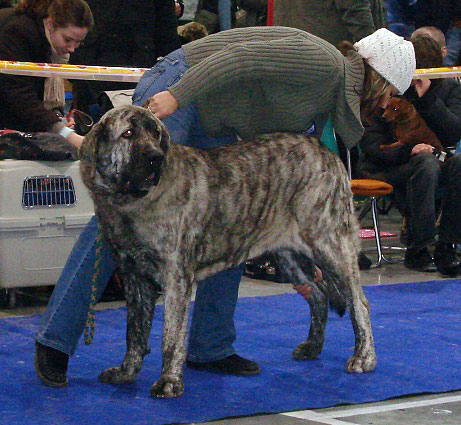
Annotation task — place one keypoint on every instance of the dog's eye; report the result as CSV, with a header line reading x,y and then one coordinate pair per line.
x,y
128,134
395,109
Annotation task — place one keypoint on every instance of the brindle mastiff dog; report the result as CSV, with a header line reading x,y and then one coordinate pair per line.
x,y
173,215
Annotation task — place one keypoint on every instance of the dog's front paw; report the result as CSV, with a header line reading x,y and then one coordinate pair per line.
x,y
307,350
167,387
360,364
117,375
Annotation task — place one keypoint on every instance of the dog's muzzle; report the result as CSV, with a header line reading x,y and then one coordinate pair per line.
x,y
144,176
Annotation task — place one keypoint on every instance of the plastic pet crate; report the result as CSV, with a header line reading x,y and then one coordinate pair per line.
x,y
43,208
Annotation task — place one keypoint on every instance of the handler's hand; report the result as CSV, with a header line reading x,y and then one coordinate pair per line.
x,y
68,122
422,86
162,104
422,148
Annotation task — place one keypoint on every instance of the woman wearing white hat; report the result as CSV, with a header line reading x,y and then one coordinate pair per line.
x,y
241,82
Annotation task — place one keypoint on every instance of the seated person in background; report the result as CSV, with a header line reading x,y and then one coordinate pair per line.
x,y
434,33
40,31
416,173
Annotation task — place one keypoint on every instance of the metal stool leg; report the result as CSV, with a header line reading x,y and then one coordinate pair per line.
x,y
379,247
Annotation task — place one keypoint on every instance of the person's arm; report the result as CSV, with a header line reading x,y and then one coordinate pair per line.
x,y
442,114
293,61
357,17
70,135
379,133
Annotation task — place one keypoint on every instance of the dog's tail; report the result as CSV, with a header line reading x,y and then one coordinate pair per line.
x,y
336,297
337,301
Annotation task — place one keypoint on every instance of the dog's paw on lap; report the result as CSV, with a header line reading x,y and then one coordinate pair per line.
x,y
167,387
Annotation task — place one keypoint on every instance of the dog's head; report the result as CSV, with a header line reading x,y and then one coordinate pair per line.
x,y
399,110
124,152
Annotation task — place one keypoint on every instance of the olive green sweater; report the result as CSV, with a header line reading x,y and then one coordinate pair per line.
x,y
263,79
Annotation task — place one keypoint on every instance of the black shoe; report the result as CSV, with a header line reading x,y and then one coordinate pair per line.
x,y
232,365
446,260
419,260
51,365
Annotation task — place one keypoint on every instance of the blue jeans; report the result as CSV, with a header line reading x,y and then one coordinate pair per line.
x,y
212,331
453,46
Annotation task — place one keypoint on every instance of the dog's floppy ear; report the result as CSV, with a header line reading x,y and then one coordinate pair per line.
x,y
158,130
164,139
88,152
87,155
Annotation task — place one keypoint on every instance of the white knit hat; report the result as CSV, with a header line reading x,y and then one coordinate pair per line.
x,y
390,55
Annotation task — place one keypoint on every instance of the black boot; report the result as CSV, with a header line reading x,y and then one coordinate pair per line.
x,y
51,365
446,260
420,260
232,365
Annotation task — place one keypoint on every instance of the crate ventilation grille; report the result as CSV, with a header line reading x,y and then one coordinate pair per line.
x,y
48,191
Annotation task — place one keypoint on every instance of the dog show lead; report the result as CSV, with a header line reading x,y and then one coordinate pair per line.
x,y
237,83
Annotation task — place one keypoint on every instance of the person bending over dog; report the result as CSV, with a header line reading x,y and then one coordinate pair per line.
x,y
237,83
416,173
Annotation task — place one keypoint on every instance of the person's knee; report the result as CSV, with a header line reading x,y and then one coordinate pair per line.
x,y
454,163
452,170
425,166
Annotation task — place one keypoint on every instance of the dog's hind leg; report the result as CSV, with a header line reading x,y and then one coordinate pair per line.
x,y
141,295
338,260
364,357
177,302
299,269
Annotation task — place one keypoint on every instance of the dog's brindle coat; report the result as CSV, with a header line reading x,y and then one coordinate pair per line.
x,y
172,215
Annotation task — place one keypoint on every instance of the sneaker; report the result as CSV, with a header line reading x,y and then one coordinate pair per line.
x,y
419,260
446,260
51,365
232,365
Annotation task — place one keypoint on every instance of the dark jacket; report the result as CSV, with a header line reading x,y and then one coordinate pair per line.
x,y
441,109
127,33
22,38
332,20
437,13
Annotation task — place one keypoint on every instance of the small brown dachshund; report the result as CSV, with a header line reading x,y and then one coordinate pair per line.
x,y
410,127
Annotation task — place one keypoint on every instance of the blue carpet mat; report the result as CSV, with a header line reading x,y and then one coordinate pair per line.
x,y
416,329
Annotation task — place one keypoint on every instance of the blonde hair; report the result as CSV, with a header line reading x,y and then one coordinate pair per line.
x,y
374,85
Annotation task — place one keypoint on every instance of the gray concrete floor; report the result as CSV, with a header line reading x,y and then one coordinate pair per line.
x,y
440,409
